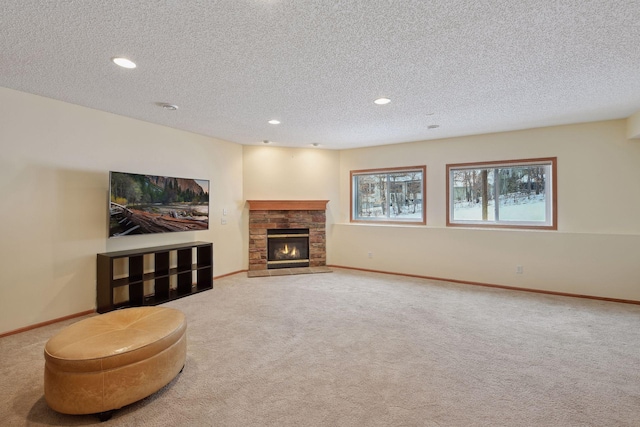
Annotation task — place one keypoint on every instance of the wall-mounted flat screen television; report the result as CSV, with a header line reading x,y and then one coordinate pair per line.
x,y
145,204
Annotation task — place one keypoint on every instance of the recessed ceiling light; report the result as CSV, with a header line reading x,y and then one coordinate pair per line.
x,y
170,107
274,122
382,101
433,126
124,62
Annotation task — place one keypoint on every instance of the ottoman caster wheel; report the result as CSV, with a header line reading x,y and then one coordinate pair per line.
x,y
105,416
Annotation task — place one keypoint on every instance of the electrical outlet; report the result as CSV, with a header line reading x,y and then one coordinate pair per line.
x,y
370,254
224,211
223,221
519,269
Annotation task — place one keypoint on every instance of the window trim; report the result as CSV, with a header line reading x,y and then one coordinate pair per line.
x,y
352,201
553,163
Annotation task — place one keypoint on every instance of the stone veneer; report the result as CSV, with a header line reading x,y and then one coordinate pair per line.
x,y
265,215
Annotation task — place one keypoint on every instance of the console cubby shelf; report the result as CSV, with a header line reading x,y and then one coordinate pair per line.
x,y
171,276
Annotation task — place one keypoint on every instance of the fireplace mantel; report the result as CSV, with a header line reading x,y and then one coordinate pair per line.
x,y
287,205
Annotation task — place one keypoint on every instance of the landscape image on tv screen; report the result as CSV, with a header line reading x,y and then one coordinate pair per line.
x,y
145,204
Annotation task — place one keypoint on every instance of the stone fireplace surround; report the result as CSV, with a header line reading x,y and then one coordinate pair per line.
x,y
277,214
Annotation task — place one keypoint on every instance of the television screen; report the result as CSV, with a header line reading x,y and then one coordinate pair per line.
x,y
144,204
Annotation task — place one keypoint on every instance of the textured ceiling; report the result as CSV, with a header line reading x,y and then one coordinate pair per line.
x,y
470,67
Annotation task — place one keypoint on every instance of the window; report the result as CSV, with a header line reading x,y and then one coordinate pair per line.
x,y
511,194
389,195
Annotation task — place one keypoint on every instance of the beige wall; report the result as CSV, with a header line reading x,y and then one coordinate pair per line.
x,y
54,173
276,173
54,184
633,126
291,174
594,252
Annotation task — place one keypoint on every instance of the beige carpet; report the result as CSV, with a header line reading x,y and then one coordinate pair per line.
x,y
364,349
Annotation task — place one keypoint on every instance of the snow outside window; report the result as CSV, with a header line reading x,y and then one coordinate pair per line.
x,y
512,194
389,195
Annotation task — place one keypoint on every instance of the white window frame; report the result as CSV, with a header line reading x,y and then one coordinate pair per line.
x,y
388,219
550,191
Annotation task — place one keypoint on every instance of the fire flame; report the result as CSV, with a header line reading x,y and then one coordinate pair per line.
x,y
293,253
286,253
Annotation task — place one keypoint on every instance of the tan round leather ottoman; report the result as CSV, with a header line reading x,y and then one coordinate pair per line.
x,y
111,360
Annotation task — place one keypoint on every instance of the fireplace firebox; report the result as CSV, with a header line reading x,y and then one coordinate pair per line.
x,y
287,248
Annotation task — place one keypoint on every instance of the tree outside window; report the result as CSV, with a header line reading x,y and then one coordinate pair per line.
x,y
394,195
515,194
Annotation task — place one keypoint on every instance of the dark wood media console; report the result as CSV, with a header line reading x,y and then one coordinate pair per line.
x,y
170,277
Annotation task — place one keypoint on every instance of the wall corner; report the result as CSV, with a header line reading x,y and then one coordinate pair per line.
x,y
633,126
